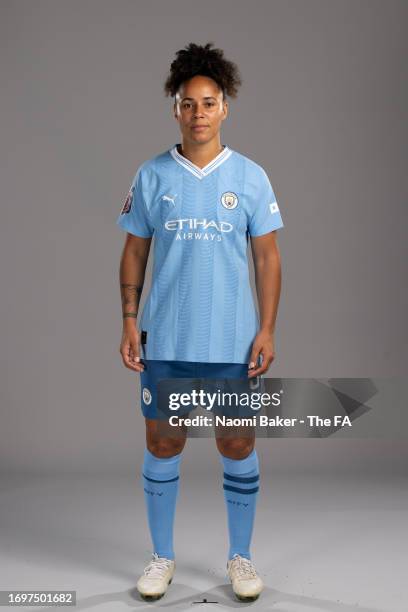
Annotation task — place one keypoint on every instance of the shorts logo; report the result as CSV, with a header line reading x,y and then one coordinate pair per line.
x,y
229,200
147,396
127,204
254,382
274,207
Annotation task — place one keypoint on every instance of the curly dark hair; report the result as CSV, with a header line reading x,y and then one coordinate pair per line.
x,y
202,60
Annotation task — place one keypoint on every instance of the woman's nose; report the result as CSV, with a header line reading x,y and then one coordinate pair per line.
x,y
198,112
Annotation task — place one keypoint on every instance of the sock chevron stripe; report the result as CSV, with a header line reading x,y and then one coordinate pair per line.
x,y
242,479
154,480
242,491
160,484
240,494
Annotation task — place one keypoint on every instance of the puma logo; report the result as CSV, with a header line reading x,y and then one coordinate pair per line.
x,y
170,198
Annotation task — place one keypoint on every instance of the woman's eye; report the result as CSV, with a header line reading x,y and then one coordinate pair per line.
x,y
188,105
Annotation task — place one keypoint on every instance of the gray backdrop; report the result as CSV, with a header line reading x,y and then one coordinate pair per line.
x,y
323,109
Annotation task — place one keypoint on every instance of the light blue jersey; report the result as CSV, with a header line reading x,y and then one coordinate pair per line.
x,y
200,306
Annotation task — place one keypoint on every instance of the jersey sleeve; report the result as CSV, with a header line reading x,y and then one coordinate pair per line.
x,y
265,215
134,216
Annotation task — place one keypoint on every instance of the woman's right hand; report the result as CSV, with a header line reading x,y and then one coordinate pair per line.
x,y
130,347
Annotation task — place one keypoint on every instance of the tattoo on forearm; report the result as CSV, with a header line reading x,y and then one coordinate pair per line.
x,y
130,295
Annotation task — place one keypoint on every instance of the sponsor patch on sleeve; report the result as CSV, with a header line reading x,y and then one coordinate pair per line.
x,y
127,204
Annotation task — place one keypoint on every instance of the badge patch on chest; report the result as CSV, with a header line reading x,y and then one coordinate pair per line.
x,y
229,200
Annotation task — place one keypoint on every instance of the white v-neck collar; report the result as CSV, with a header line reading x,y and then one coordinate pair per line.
x,y
196,170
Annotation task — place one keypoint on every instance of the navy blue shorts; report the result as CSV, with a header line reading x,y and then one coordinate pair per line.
x,y
156,370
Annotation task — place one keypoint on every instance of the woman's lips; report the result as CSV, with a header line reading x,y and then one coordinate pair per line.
x,y
199,128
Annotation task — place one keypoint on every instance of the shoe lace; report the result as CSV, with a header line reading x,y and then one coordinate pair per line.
x,y
244,567
157,566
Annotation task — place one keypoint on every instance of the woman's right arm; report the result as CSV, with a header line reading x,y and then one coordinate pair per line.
x,y
131,276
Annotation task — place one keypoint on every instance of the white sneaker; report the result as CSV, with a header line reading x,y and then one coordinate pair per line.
x,y
246,583
156,578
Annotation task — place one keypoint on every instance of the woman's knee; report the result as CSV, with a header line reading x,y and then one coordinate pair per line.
x,y
235,448
160,445
165,448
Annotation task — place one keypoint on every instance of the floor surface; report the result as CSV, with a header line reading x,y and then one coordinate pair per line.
x,y
330,544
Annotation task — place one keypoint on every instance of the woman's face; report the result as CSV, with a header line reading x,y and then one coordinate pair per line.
x,y
199,103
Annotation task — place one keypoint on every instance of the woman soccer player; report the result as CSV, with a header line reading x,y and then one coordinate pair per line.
x,y
202,201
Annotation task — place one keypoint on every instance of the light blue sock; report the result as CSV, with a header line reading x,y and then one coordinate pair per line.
x,y
241,480
161,484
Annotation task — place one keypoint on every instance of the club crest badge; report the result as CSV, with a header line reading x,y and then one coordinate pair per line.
x,y
127,204
229,200
147,396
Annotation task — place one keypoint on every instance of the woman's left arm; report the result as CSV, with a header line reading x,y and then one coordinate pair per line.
x,y
268,278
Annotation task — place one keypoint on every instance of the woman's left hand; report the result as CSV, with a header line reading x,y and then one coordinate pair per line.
x,y
263,345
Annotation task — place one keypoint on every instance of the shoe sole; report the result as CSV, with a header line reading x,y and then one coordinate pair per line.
x,y
247,598
154,597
